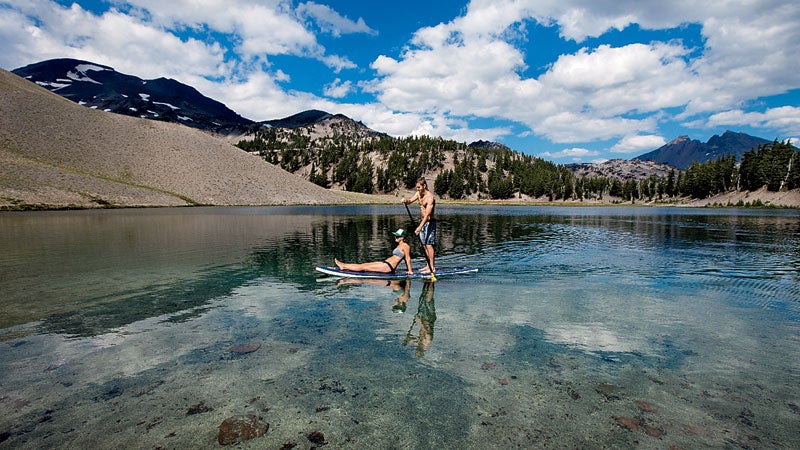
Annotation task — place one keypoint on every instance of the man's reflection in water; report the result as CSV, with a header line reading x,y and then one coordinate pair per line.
x,y
425,318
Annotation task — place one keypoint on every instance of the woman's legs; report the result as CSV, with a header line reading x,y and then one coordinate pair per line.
x,y
376,266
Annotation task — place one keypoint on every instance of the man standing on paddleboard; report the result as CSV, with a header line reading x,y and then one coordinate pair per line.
x,y
427,224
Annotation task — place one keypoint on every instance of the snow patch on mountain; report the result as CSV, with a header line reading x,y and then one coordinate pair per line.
x,y
80,76
52,86
86,67
173,107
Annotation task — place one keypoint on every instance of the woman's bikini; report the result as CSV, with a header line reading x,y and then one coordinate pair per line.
x,y
396,252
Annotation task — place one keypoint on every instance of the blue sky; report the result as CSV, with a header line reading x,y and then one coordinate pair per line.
x,y
565,80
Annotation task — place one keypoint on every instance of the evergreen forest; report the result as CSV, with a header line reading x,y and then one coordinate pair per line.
x,y
376,163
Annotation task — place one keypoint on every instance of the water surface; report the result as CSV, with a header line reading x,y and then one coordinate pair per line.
x,y
585,328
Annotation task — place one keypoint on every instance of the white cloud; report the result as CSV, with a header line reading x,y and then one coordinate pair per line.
x,y
152,35
258,96
451,79
113,39
576,154
332,22
785,118
616,80
338,88
261,29
637,144
575,127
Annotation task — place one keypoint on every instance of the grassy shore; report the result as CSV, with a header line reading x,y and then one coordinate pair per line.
x,y
758,199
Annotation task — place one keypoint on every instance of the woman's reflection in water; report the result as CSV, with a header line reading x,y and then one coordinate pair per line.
x,y
401,286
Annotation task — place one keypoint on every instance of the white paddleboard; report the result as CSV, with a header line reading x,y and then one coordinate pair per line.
x,y
334,271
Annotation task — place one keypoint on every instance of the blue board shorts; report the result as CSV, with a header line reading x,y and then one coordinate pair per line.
x,y
428,233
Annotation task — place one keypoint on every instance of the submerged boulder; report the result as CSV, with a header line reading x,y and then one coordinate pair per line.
x,y
243,349
240,428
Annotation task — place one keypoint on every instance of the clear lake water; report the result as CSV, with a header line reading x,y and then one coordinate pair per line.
x,y
585,327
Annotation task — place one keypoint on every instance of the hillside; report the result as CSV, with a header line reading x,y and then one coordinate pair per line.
x,y
621,169
55,153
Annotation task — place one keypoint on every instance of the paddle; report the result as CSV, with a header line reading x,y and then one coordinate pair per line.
x,y
422,245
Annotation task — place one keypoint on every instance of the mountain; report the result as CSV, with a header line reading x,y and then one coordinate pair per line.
x,y
301,119
57,154
682,151
101,87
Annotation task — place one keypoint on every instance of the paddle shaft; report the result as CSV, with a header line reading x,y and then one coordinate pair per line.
x,y
424,253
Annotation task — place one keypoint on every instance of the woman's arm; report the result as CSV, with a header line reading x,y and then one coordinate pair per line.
x,y
407,252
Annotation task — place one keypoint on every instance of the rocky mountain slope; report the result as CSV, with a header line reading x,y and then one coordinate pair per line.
x,y
102,87
621,169
55,153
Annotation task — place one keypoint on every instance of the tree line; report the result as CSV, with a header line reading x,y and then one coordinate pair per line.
x,y
378,163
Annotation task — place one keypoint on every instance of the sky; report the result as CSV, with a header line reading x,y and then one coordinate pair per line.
x,y
565,80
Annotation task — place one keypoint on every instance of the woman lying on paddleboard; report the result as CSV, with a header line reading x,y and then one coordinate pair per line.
x,y
389,265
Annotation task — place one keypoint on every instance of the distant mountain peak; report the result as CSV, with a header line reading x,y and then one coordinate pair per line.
x,y
678,140
301,119
682,151
101,87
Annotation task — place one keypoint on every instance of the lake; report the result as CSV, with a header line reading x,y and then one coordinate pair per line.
x,y
586,327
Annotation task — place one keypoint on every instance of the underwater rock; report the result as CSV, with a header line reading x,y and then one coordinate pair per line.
x,y
317,438
573,394
696,430
245,348
236,429
609,391
631,423
646,407
198,409
653,431
746,417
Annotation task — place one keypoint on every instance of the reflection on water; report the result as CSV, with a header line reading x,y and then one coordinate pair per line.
x,y
420,333
585,328
424,319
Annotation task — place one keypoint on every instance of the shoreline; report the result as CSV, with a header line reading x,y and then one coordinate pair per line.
x,y
761,199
